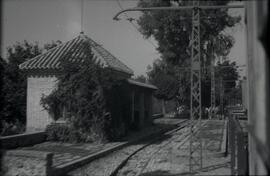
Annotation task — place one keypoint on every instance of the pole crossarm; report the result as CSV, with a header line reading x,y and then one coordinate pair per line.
x,y
177,8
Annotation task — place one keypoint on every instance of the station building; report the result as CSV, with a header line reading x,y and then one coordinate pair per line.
x,y
43,69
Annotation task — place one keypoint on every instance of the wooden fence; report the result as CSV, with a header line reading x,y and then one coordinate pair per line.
x,y
238,142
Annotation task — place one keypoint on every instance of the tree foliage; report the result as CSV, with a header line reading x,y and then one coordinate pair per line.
x,y
172,30
225,72
13,82
141,78
81,95
164,79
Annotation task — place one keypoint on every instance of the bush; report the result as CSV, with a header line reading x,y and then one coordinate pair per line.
x,y
11,128
65,132
58,132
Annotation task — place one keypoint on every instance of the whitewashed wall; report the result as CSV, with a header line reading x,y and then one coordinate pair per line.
x,y
37,117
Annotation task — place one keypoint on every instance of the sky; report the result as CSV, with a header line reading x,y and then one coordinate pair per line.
x,y
51,20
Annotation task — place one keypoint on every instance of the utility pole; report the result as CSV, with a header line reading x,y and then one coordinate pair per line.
x,y
195,154
213,88
195,151
221,96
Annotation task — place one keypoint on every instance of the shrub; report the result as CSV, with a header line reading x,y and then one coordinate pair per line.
x,y
11,128
58,132
65,132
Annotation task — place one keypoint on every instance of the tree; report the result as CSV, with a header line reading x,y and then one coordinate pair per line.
x,y
172,31
13,89
141,78
2,73
226,72
163,79
167,84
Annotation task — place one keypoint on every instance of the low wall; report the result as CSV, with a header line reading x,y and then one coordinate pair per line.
x,y
21,140
22,162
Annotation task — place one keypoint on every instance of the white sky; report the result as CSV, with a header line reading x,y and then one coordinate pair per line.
x,y
47,20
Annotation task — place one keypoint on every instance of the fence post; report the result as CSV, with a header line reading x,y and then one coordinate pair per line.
x,y
232,144
241,154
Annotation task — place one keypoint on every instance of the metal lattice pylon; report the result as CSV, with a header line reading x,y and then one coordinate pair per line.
x,y
195,155
213,88
221,96
195,105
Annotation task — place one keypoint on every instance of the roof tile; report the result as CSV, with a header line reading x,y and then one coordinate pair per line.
x,y
51,59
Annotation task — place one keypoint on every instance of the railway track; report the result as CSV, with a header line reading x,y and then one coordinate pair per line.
x,y
118,162
170,136
179,135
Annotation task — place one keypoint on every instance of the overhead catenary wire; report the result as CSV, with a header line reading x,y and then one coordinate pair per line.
x,y
181,18
205,7
208,67
133,24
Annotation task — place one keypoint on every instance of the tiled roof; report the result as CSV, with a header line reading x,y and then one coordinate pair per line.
x,y
145,85
50,60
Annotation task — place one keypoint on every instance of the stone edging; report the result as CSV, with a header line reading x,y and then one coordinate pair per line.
x,y
22,140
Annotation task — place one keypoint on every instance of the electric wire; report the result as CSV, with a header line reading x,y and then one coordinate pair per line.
x,y
133,24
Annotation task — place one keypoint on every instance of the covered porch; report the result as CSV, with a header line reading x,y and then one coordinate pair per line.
x,y
141,103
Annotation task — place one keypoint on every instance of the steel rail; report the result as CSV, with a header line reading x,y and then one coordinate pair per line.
x,y
186,123
182,124
185,136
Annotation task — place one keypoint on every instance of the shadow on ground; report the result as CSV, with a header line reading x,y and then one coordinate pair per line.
x,y
154,137
197,172
164,173
214,167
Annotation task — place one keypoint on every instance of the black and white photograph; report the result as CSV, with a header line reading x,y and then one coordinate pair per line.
x,y
134,87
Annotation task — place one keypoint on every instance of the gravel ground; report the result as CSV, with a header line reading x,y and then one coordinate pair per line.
x,y
170,157
106,166
154,157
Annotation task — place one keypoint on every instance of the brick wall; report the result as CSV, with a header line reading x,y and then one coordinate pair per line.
x,y
37,117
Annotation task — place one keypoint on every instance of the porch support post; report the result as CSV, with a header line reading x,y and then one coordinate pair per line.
x,y
151,108
132,105
141,109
